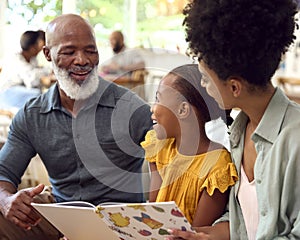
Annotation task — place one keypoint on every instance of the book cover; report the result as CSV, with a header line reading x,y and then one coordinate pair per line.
x,y
124,221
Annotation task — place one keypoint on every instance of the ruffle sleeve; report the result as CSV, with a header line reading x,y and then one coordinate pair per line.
x,y
221,178
150,146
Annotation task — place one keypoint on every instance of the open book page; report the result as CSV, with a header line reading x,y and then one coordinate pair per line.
x,y
144,220
75,204
76,220
81,220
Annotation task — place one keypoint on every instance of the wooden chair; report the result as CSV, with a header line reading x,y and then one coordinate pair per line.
x,y
7,113
35,173
138,76
5,120
135,81
35,170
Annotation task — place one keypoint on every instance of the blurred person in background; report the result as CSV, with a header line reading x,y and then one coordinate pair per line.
x,y
124,60
21,74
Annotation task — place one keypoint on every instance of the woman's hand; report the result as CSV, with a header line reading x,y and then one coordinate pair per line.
x,y
219,231
178,234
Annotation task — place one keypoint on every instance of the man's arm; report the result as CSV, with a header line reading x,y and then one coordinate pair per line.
x,y
16,206
134,66
140,120
134,61
114,66
14,159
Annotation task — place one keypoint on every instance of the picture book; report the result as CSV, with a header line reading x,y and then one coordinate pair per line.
x,y
80,220
76,220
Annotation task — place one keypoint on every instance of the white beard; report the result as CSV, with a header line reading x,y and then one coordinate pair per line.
x,y
72,89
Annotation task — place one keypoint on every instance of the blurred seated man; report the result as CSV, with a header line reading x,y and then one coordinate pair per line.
x,y
124,60
21,75
86,131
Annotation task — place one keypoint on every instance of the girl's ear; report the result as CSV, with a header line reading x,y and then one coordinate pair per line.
x,y
184,110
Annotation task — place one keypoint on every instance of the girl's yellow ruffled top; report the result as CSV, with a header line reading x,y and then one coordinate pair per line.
x,y
185,177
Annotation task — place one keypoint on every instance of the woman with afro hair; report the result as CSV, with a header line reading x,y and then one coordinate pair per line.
x,y
239,45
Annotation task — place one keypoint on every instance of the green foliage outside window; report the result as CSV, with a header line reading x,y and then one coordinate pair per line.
x,y
106,16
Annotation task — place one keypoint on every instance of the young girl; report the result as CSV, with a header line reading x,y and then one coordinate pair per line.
x,y
186,166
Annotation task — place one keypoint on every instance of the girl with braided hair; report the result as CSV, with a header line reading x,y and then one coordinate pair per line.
x,y
186,166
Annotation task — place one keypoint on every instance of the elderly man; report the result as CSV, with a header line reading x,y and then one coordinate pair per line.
x,y
86,130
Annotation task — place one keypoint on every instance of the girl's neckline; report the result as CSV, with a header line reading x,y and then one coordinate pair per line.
x,y
201,154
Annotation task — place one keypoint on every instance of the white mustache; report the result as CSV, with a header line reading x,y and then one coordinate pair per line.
x,y
80,69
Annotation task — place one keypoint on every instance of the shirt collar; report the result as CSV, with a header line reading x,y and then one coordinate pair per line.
x,y
270,124
50,100
105,93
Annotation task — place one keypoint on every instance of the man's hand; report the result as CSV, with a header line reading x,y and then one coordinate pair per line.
x,y
17,207
113,67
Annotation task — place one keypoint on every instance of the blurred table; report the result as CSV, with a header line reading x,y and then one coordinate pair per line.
x,y
47,81
126,81
135,81
293,81
291,87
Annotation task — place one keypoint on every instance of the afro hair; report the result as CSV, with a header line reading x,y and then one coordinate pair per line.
x,y
240,38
